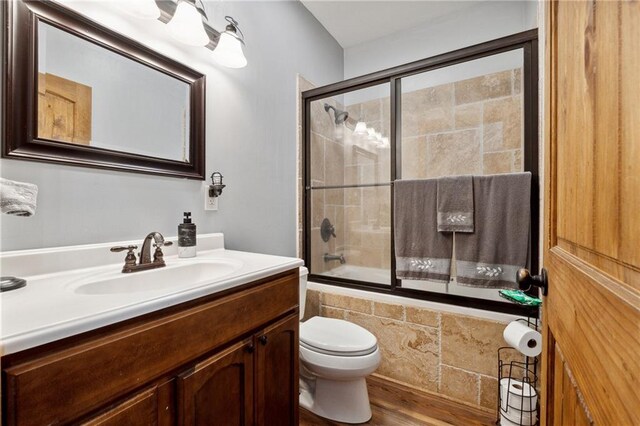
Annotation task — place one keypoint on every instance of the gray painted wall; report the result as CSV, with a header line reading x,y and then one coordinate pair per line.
x,y
481,22
251,139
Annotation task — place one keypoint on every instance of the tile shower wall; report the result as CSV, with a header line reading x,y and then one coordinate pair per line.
x,y
361,216
472,126
450,354
328,168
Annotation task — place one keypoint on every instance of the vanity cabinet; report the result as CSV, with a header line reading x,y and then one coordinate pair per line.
x,y
252,382
140,409
219,388
230,358
277,378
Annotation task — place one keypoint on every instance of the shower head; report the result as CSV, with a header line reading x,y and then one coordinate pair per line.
x,y
340,116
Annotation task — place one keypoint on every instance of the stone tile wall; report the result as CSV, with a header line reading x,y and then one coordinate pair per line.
x,y
450,354
327,168
368,209
472,126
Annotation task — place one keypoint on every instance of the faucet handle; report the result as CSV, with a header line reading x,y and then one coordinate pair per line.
x,y
165,244
123,248
130,258
158,256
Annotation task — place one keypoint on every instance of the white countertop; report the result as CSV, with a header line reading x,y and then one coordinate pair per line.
x,y
49,308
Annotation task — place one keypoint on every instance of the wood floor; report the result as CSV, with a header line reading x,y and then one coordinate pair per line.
x,y
396,405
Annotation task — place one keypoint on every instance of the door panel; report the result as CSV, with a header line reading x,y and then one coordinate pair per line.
x,y
277,374
64,110
592,198
569,410
219,390
141,409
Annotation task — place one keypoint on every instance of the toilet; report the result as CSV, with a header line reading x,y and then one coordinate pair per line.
x,y
335,357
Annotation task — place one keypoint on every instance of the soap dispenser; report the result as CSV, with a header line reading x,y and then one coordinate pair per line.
x,y
187,237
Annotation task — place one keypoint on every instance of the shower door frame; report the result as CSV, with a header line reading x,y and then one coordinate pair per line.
x,y
528,42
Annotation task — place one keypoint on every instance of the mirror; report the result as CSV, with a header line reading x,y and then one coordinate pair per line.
x,y
85,95
92,96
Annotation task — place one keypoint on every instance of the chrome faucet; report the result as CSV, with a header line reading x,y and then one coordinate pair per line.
x,y
328,257
145,254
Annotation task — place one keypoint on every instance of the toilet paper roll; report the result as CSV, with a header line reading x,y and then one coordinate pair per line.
x,y
518,401
504,421
525,339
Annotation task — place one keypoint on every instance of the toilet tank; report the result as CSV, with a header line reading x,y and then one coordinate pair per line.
x,y
303,289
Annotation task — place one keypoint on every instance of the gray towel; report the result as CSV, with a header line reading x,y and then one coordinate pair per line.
x,y
491,256
422,253
455,204
17,198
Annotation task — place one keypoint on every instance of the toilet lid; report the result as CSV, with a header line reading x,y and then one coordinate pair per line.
x,y
330,335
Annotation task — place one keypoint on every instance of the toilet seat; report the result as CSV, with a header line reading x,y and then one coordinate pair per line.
x,y
340,367
331,336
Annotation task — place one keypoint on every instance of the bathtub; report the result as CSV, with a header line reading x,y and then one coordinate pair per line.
x,y
360,273
383,276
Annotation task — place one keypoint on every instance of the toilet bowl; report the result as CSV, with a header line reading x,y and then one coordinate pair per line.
x,y
335,358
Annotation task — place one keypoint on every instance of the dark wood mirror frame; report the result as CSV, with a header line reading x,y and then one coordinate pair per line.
x,y
19,117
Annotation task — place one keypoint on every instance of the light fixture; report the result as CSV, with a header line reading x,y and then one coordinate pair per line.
x,y
361,129
143,9
229,52
371,132
216,187
384,142
187,26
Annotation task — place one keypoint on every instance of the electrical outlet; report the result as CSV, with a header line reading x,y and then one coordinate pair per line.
x,y
210,203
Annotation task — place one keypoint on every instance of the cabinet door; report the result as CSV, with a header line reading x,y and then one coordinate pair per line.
x,y
139,410
277,373
219,390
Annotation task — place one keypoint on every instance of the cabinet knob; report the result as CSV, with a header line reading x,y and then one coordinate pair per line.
x,y
250,348
263,339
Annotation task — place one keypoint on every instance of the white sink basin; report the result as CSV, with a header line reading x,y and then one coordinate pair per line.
x,y
171,277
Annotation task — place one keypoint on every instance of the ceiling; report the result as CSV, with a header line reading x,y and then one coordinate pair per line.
x,y
352,22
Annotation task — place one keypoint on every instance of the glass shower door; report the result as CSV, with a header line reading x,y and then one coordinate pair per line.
x,y
348,190
464,119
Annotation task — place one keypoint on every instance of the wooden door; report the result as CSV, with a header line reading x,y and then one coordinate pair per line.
x,y
219,390
64,110
277,374
591,316
139,410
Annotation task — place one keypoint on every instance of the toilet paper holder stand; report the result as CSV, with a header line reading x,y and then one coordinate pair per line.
x,y
518,409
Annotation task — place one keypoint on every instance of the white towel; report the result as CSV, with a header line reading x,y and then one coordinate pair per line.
x,y
18,198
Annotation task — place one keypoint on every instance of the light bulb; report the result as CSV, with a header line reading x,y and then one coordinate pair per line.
x,y
187,27
229,52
